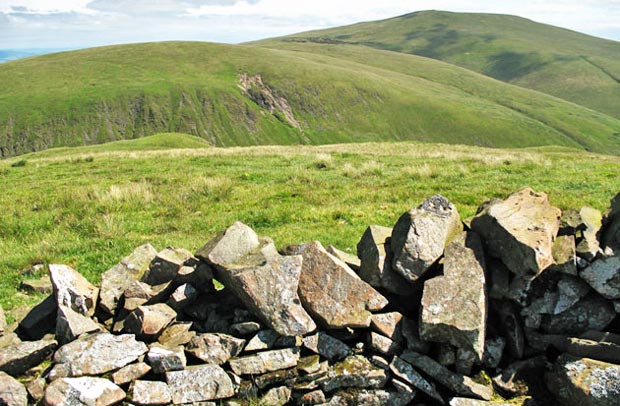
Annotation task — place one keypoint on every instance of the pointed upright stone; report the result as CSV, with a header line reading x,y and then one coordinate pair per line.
x,y
71,324
520,230
73,290
454,306
421,234
166,265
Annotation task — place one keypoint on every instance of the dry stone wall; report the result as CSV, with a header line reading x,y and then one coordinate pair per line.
x,y
519,306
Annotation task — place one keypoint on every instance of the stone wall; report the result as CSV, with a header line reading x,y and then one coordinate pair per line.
x,y
518,306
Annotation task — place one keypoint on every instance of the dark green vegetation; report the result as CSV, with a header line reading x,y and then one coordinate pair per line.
x,y
89,207
333,93
564,63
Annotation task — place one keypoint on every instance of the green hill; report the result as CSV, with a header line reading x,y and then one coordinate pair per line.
x,y
560,62
247,95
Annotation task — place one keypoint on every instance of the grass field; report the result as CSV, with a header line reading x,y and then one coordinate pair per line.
x,y
88,207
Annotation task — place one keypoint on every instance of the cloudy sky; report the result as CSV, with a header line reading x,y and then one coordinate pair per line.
x,y
82,23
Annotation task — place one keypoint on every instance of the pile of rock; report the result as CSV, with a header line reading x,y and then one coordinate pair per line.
x,y
521,303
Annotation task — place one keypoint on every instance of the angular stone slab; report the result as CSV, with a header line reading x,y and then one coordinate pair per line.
x,y
610,234
263,340
72,290
140,293
85,391
99,353
331,292
388,324
276,396
40,320
459,384
326,346
18,358
199,383
585,382
115,280
71,324
454,306
267,361
374,252
602,351
230,246
377,397
592,221
475,402
166,265
148,322
588,314
604,276
421,234
350,259
130,373
163,359
407,373
215,348
150,393
355,371
183,296
382,344
12,392
520,230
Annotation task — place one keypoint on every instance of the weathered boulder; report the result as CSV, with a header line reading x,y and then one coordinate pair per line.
x,y
115,280
71,324
332,292
230,246
166,265
350,259
354,372
374,251
199,383
163,359
12,392
147,322
150,393
98,353
18,358
454,306
326,346
215,348
312,398
85,391
388,324
520,230
130,373
604,276
407,373
73,290
420,236
266,361
585,382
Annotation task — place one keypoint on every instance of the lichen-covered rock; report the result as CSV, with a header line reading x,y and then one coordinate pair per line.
x,y
115,280
166,265
312,398
18,358
12,392
421,234
407,373
176,334
374,251
354,372
454,306
130,373
266,361
604,277
520,230
350,259
585,382
377,397
71,324
388,324
230,246
326,346
591,222
98,353
148,322
276,396
199,383
215,348
564,255
163,359
332,292
73,290
150,393
594,349
589,314
85,391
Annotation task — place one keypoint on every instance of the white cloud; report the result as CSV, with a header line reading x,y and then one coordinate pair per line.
x,y
45,6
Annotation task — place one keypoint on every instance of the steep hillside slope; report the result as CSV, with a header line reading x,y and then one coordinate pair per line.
x,y
247,95
564,63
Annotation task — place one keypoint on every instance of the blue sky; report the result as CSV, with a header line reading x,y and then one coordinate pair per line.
x,y
83,23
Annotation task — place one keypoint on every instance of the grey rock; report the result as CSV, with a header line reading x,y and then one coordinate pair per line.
x,y
592,221
382,344
475,402
312,398
148,322
354,372
407,373
40,320
140,293
388,324
85,391
411,334
520,230
499,279
42,285
326,346
604,277
71,324
99,353
266,361
493,351
12,392
459,384
215,348
511,328
610,233
352,260
589,314
377,397
445,354
197,273
454,305
9,338
420,236
130,373
115,280
199,383
230,246
380,362
245,328
309,364
183,296
73,290
163,359
465,361
36,389
18,358
374,251
150,393
176,334
332,292
276,396
263,340
601,336
585,382
570,291
602,351
508,380
565,255
283,376
166,265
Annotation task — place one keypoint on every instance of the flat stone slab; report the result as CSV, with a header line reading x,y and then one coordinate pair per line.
x,y
150,393
85,391
99,353
604,277
326,346
149,321
199,383
355,371
164,359
130,373
18,358
215,348
407,373
266,361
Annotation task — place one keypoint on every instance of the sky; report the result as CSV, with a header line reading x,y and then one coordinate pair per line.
x,y
64,24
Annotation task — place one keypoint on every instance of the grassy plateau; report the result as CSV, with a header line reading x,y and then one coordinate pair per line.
x,y
88,207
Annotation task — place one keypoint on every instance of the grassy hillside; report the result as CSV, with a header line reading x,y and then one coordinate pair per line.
x,y
88,208
326,95
564,63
